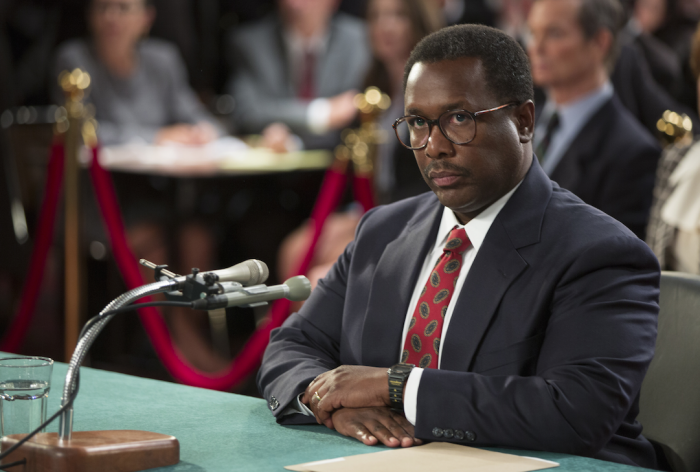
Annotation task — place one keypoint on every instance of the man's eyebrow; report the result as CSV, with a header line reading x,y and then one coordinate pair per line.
x,y
449,106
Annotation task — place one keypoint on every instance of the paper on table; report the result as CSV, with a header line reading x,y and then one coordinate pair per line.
x,y
446,457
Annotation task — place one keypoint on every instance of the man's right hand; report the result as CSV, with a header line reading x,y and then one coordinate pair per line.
x,y
372,425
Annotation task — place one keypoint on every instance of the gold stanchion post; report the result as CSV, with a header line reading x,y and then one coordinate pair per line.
x,y
74,85
359,144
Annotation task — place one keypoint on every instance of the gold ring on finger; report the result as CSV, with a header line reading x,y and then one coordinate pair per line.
x,y
317,396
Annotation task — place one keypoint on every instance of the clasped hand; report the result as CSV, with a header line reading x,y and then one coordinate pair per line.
x,y
354,400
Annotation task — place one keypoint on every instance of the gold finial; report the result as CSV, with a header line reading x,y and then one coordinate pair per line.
x,y
372,102
675,128
76,85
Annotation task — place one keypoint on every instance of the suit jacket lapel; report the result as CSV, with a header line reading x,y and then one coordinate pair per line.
x,y
496,266
392,287
282,61
569,170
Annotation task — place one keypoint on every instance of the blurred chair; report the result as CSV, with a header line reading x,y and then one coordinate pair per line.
x,y
669,402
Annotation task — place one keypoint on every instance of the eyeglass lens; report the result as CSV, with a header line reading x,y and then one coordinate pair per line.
x,y
458,126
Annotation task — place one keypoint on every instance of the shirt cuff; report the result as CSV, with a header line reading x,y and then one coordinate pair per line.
x,y
297,408
317,115
410,395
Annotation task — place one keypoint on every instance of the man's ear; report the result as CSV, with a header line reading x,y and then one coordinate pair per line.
x,y
603,42
150,18
525,121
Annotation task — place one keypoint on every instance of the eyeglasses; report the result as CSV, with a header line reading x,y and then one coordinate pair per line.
x,y
459,126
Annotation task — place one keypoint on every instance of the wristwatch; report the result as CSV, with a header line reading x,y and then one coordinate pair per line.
x,y
398,375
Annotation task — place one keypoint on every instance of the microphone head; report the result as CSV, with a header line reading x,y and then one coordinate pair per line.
x,y
299,288
250,272
258,271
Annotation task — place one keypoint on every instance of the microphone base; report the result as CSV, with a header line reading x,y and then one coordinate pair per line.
x,y
106,451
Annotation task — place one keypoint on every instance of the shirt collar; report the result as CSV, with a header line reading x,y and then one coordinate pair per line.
x,y
299,45
580,110
478,227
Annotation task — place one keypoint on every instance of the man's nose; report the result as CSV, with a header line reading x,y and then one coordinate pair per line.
x,y
438,146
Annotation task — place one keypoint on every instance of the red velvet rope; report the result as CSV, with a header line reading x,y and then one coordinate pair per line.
x,y
14,335
362,189
251,354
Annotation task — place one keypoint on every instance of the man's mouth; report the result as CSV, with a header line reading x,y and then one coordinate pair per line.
x,y
444,178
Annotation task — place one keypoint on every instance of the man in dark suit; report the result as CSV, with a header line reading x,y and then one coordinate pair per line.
x,y
587,141
529,315
300,68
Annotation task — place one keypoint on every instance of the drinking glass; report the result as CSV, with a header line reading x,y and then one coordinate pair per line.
x,y
24,391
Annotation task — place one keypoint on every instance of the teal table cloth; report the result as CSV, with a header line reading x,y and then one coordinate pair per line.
x,y
223,431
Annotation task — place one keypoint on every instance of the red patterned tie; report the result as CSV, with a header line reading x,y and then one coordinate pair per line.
x,y
306,87
422,345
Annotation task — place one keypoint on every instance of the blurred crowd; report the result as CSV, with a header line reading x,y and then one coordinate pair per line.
x,y
607,73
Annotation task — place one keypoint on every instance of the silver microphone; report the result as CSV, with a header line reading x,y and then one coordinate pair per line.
x,y
250,272
295,289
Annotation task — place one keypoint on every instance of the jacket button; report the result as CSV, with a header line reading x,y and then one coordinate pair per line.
x,y
459,435
273,403
448,433
470,436
437,432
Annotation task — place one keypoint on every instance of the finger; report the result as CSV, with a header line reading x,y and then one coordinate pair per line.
x,y
404,438
382,432
322,413
407,427
361,433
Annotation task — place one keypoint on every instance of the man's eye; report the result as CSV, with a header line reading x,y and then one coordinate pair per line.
x,y
458,118
416,122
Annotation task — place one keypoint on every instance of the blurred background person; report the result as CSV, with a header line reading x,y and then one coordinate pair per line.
x,y
676,32
646,18
674,225
587,141
395,27
141,94
299,68
139,86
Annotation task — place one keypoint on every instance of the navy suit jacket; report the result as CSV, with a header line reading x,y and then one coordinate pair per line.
x,y
611,165
548,344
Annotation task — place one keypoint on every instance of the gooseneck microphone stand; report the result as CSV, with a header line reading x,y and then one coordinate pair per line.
x,y
129,450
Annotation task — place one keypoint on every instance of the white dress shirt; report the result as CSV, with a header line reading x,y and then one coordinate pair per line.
x,y
476,231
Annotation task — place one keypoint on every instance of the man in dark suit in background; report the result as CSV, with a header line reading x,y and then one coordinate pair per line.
x,y
299,68
519,316
587,141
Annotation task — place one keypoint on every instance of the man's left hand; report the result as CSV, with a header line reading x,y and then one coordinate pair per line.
x,y
347,386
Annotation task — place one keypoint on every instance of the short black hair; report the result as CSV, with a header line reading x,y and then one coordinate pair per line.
x,y
505,63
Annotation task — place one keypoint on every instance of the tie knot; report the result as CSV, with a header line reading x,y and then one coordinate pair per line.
x,y
457,241
553,123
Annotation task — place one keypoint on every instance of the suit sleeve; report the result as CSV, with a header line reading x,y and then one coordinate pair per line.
x,y
598,343
308,343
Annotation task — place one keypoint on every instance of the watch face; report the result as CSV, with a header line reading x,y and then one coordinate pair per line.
x,y
402,368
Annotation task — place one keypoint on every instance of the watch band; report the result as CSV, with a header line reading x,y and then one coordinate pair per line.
x,y
398,376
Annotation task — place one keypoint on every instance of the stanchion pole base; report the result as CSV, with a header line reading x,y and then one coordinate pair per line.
x,y
106,451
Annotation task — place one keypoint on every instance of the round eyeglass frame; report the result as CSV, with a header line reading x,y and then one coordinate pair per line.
x,y
436,121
